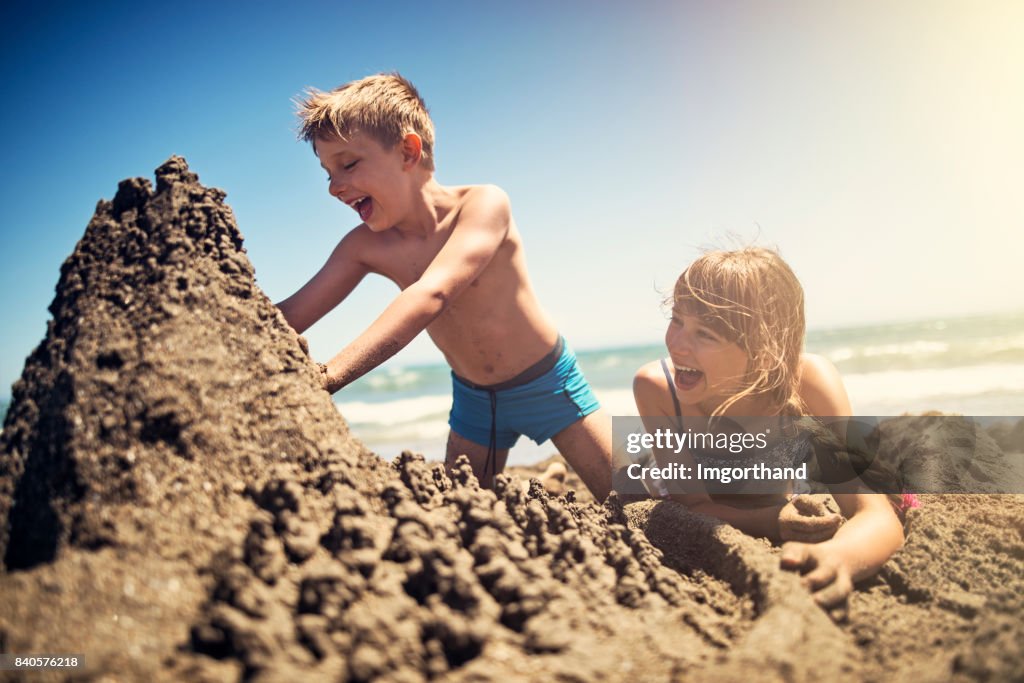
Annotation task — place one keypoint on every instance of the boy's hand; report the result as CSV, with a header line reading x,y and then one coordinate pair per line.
x,y
324,380
824,573
806,519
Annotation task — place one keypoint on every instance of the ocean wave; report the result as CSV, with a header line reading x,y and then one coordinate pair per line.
x,y
914,348
398,378
405,435
396,412
920,354
933,389
609,361
397,381
1001,345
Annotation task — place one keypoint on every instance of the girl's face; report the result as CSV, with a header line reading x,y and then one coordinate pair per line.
x,y
708,368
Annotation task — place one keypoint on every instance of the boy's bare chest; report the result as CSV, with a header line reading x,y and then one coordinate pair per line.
x,y
404,261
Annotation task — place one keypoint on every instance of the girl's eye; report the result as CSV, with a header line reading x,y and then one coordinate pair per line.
x,y
707,335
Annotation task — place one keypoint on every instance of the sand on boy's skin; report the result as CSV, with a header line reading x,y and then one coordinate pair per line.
x,y
179,500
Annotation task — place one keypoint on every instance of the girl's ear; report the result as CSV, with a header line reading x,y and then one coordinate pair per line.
x,y
412,150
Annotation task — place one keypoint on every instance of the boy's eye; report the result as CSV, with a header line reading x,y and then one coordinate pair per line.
x,y
349,167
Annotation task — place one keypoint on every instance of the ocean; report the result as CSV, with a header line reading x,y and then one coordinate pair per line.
x,y
971,365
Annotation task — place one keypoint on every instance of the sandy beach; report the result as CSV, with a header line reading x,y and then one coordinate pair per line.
x,y
180,500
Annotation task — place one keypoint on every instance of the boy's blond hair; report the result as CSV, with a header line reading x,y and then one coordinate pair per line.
x,y
751,297
385,106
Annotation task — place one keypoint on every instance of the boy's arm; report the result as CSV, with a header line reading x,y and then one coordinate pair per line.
x,y
482,226
329,287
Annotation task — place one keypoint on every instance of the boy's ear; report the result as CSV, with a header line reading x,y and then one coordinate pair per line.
x,y
412,150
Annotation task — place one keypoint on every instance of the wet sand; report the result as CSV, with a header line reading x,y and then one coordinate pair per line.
x,y
179,500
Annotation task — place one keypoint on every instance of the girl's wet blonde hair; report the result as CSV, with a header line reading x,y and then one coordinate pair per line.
x,y
750,296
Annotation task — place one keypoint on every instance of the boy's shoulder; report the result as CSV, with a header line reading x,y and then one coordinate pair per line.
x,y
487,192
483,199
480,209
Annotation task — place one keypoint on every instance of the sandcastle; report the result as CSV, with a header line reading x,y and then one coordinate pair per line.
x,y
179,500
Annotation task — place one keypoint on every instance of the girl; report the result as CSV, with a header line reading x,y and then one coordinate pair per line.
x,y
735,349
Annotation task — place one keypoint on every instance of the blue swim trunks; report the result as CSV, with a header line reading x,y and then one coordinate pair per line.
x,y
539,402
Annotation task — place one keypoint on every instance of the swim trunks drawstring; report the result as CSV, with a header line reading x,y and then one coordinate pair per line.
x,y
492,448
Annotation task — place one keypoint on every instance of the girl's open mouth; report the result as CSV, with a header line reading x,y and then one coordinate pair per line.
x,y
687,378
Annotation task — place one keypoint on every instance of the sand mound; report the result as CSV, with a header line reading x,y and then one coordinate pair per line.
x,y
180,501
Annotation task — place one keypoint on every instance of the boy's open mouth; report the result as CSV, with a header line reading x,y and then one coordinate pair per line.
x,y
687,378
364,207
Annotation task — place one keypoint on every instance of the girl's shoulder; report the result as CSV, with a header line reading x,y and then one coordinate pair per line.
x,y
821,387
650,379
650,387
651,373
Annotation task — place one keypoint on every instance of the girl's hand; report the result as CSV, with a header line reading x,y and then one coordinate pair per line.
x,y
824,573
806,519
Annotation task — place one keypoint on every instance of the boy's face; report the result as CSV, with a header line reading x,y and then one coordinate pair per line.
x,y
366,176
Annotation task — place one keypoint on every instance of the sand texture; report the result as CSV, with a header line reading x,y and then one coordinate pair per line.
x,y
179,500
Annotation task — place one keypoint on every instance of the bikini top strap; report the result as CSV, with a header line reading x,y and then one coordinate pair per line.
x,y
672,390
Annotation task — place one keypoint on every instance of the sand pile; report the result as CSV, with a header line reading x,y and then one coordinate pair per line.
x,y
180,501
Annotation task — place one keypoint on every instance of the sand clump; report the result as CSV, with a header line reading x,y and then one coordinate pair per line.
x,y
179,500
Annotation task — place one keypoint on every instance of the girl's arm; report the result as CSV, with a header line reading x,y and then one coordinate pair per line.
x,y
653,402
873,532
859,548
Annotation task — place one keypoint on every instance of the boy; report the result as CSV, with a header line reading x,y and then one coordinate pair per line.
x,y
457,256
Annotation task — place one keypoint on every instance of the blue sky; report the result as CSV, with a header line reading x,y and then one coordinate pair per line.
x,y
878,145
